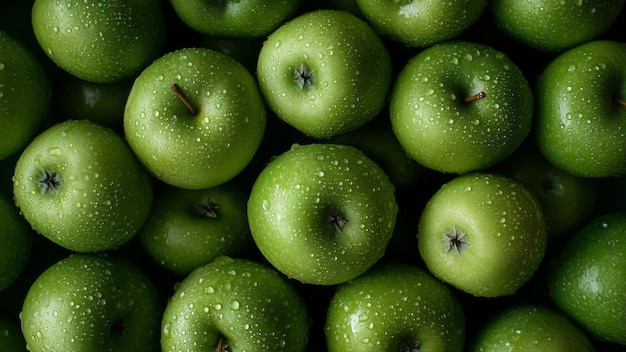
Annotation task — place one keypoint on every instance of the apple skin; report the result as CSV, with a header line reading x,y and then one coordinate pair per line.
x,y
235,19
325,73
25,96
100,194
394,307
92,303
17,242
483,233
189,228
421,23
531,328
202,149
100,41
554,25
11,338
441,131
579,120
246,303
587,280
322,213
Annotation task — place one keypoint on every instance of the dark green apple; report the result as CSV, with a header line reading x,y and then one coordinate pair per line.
x,y
97,40
234,304
483,233
421,23
189,228
567,200
79,184
25,95
322,213
325,73
92,303
531,328
460,106
395,307
581,110
195,118
11,338
588,279
554,25
17,241
235,19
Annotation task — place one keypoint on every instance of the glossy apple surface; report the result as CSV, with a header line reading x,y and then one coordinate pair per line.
x,y
554,25
25,95
458,107
581,112
189,228
587,280
17,239
325,73
207,142
483,233
421,23
79,184
91,303
234,304
395,307
100,41
322,213
531,328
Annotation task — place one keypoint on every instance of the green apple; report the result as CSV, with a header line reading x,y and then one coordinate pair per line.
x,y
581,110
588,279
322,213
234,304
554,25
567,200
25,96
11,338
483,233
531,328
17,241
421,23
460,106
97,40
235,19
91,303
395,307
189,228
325,72
195,118
77,99
79,184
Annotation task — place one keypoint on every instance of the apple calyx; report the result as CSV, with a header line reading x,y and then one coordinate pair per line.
x,y
207,208
336,220
410,345
118,328
222,345
181,96
455,240
474,97
304,77
49,181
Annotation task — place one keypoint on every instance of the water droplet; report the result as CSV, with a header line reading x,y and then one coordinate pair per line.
x,y
234,305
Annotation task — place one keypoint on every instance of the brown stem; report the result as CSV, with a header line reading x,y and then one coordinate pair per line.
x,y
474,97
221,347
621,101
183,98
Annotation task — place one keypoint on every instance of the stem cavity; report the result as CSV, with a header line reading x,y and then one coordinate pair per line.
x,y
474,97
304,77
49,181
410,345
456,241
181,96
336,220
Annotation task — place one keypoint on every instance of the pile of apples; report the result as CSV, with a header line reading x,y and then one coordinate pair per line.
x,y
312,175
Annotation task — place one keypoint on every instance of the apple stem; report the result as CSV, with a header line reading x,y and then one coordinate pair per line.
x,y
222,345
183,98
474,97
621,101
